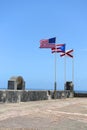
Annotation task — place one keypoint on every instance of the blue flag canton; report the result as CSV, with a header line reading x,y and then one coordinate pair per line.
x,y
52,40
62,48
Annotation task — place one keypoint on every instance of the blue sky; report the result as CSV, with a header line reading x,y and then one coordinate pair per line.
x,y
23,23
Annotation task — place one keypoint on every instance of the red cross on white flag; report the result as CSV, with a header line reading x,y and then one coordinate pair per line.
x,y
68,53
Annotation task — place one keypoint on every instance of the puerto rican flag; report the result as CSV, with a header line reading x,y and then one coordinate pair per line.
x,y
58,48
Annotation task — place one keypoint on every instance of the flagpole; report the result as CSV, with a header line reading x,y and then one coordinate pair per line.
x,y
55,84
73,70
65,71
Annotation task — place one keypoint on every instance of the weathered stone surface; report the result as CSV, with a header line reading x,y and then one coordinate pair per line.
x,y
25,96
16,83
61,94
33,95
11,96
2,96
76,94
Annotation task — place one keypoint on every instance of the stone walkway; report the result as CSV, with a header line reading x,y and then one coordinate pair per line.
x,y
60,114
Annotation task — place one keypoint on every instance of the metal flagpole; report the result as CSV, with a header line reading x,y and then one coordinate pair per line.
x,y
64,71
55,84
73,69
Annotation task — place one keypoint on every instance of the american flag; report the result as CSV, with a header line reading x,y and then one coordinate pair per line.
x,y
48,43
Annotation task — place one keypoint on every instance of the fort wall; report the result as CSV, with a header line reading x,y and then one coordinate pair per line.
x,y
14,96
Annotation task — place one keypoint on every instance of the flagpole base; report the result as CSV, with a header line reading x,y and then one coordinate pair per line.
x,y
55,88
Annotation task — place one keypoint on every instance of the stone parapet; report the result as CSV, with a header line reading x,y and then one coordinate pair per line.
x,y
14,96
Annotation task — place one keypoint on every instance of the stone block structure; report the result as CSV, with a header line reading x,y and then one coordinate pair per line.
x,y
16,83
69,86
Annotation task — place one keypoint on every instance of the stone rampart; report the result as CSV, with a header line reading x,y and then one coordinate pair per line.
x,y
76,94
14,96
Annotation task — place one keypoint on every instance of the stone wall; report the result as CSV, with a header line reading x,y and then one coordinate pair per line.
x,y
76,94
25,96
60,94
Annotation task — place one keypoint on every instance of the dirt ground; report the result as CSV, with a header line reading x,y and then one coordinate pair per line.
x,y
59,114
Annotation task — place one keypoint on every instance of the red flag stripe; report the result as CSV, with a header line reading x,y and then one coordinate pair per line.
x,y
53,51
59,44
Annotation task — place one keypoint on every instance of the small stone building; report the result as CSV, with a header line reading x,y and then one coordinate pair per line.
x,y
69,85
16,83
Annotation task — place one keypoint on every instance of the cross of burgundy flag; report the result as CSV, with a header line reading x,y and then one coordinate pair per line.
x,y
68,53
